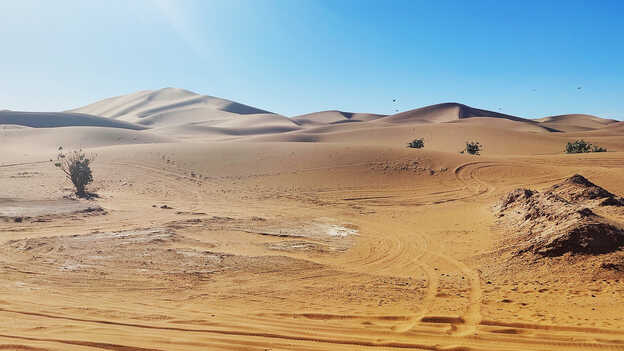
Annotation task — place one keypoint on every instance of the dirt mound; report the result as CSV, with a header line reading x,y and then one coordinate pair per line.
x,y
579,189
560,220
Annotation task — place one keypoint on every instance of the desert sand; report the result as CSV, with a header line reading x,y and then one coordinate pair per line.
x,y
220,226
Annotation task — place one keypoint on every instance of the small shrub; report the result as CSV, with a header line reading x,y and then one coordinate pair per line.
x,y
578,147
598,149
77,168
473,148
416,143
581,146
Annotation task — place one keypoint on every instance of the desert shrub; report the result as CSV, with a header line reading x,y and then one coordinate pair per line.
x,y
598,149
578,147
473,148
416,143
77,168
581,146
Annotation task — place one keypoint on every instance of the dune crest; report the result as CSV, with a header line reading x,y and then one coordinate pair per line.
x,y
157,108
575,122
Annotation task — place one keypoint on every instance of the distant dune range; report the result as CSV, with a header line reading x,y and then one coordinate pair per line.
x,y
172,114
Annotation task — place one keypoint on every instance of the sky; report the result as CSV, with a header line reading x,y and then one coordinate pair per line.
x,y
527,58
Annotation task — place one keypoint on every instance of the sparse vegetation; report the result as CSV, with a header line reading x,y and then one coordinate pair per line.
x,y
416,143
581,146
77,168
598,149
577,147
473,148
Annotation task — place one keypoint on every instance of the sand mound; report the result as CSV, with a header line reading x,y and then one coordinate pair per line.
x,y
575,122
556,221
578,189
445,112
61,119
239,126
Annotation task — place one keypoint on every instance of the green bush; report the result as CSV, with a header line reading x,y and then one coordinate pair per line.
x,y
473,148
77,168
581,146
417,143
578,147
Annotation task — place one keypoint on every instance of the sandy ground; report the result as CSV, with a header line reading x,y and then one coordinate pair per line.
x,y
268,244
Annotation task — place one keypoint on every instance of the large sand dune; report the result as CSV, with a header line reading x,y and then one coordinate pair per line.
x,y
445,112
224,227
159,107
178,112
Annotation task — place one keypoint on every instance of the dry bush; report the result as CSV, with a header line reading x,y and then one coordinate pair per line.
x,y
416,143
581,146
473,148
77,168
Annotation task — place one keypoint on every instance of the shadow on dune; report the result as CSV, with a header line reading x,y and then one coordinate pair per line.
x,y
61,119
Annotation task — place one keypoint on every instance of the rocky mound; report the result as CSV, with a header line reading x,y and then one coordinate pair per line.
x,y
579,189
560,220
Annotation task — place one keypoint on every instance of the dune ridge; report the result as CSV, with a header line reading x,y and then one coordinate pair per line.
x,y
142,105
334,117
173,113
61,119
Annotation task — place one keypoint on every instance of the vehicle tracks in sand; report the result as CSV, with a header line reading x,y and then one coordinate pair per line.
x,y
397,250
511,336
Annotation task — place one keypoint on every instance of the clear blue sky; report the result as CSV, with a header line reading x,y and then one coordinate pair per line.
x,y
297,56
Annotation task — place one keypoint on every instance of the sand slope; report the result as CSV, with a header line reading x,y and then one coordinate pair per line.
x,y
182,113
157,108
333,117
47,140
61,119
444,112
575,122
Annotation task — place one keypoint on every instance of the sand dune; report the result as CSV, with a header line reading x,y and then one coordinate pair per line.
x,y
61,119
172,113
333,117
47,140
445,112
255,124
181,113
499,136
161,108
575,122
